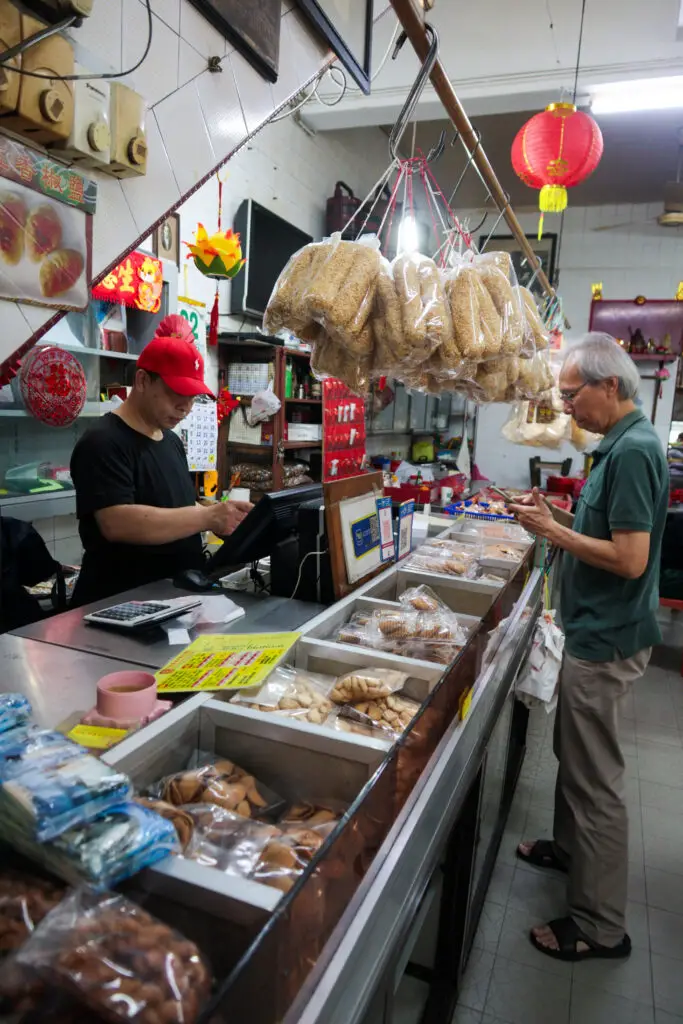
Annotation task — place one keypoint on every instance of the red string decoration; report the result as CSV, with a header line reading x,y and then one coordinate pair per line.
x,y
225,404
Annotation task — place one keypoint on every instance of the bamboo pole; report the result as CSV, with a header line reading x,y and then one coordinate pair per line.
x,y
412,20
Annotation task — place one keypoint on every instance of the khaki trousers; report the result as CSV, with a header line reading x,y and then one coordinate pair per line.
x,y
591,823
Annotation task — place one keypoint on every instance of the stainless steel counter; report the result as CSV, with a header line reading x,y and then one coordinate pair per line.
x,y
264,614
57,681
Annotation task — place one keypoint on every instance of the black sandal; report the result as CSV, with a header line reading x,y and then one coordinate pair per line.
x,y
568,935
542,855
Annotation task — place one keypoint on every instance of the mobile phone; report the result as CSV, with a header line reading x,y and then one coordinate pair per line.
x,y
507,498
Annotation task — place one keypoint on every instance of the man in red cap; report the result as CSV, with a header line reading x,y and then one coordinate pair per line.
x,y
135,500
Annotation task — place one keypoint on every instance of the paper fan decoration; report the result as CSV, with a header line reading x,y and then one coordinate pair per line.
x,y
53,385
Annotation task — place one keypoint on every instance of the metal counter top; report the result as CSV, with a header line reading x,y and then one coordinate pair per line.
x,y
57,681
151,649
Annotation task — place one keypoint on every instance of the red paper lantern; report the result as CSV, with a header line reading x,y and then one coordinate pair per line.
x,y
53,385
554,151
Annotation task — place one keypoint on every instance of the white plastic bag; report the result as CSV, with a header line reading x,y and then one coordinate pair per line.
x,y
537,682
264,404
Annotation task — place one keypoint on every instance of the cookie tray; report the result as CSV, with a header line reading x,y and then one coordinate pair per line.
x,y
300,762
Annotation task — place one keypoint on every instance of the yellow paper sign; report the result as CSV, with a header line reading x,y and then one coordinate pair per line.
x,y
465,704
96,737
227,662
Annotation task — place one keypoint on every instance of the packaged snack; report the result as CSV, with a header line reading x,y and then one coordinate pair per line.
x,y
423,599
114,846
329,359
30,746
40,802
394,624
285,856
15,710
286,309
354,631
387,323
535,377
24,901
118,960
222,783
477,326
504,551
367,684
433,560
227,841
392,714
340,292
293,692
425,313
313,815
536,335
180,819
499,278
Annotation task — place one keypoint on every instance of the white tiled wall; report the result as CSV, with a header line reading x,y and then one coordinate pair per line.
x,y
196,119
639,259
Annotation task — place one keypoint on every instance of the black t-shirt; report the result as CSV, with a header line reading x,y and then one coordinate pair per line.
x,y
112,464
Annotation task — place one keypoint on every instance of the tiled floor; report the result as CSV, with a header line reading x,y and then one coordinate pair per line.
x,y
507,980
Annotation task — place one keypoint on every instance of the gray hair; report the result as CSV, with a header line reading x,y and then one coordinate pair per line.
x,y
598,356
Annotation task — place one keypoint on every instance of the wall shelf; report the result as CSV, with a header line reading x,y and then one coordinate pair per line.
x,y
289,445
305,401
89,409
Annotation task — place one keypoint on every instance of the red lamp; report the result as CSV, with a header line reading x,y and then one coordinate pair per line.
x,y
555,150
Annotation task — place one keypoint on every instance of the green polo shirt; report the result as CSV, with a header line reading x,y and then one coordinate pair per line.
x,y
605,616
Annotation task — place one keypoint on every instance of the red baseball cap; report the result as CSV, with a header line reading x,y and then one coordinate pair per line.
x,y
173,354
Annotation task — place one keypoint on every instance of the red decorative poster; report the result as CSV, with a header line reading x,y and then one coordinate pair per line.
x,y
53,385
137,281
45,229
343,431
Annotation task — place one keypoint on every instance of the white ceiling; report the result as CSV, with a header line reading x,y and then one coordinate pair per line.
x,y
503,56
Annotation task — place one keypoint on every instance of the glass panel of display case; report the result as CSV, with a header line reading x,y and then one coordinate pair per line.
x,y
418,411
401,408
492,789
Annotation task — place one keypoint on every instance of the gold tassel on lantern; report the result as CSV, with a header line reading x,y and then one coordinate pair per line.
x,y
553,199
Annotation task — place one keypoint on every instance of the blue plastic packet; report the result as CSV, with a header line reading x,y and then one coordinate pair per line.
x,y
14,710
114,846
43,801
30,746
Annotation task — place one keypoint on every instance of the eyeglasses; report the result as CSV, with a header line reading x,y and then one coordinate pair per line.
x,y
570,396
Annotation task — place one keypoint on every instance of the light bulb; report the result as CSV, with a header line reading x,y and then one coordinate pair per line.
x,y
408,235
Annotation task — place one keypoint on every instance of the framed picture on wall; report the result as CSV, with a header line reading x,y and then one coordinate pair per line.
x,y
252,26
167,239
545,250
346,25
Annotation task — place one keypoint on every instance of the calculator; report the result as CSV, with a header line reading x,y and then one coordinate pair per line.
x,y
140,614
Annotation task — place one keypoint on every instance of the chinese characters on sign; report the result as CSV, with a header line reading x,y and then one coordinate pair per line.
x,y
137,281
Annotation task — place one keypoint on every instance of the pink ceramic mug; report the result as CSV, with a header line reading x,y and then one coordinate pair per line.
x,y
127,695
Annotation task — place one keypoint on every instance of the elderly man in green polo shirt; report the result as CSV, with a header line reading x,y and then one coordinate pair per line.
x,y
609,600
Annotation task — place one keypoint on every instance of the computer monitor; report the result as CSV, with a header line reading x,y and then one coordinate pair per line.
x,y
272,520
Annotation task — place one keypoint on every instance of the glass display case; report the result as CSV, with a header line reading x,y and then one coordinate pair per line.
x,y
106,340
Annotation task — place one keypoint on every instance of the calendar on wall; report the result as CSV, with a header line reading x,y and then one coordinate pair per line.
x,y
199,434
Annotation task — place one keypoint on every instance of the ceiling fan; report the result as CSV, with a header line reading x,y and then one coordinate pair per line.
x,y
672,214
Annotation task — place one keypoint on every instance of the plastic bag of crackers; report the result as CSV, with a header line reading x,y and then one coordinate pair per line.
x,y
118,960
294,693
219,782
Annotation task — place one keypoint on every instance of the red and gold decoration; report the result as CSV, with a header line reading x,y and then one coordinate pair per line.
x,y
53,385
225,404
556,150
218,256
138,281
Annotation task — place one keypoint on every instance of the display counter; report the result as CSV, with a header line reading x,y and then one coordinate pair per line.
x,y
412,852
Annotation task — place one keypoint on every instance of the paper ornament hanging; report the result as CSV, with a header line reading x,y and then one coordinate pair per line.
x,y
555,150
225,404
53,385
138,281
218,256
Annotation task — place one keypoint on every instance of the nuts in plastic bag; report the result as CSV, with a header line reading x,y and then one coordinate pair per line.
x,y
24,901
367,684
392,714
293,692
15,710
118,960
224,784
